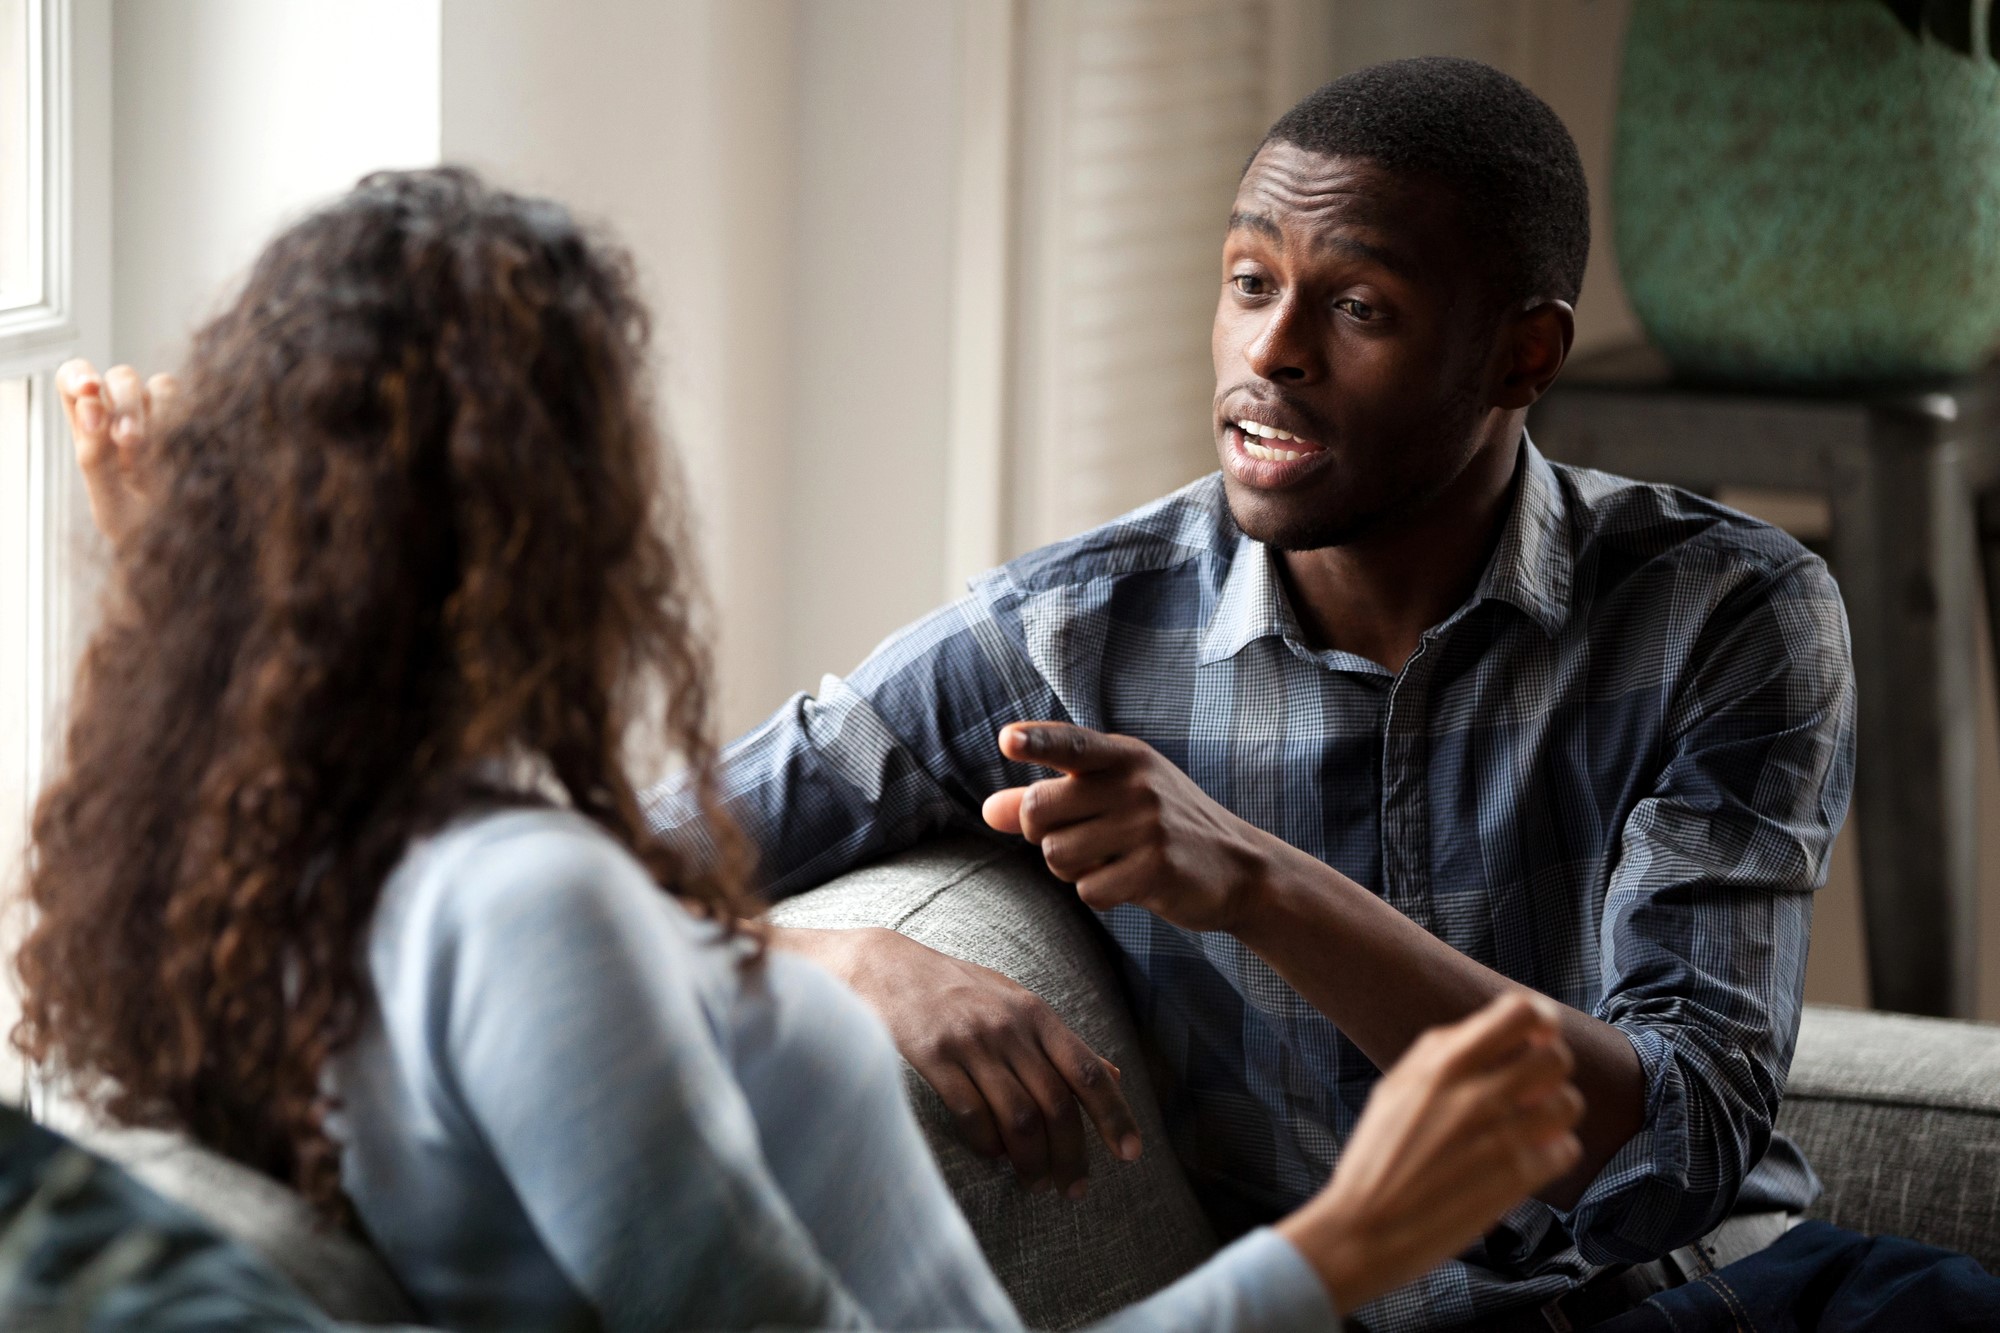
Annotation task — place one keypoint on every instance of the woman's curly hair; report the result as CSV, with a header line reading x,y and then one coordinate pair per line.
x,y
413,529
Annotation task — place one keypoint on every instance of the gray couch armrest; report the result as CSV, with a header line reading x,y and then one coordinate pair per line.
x,y
1064,1263
1901,1118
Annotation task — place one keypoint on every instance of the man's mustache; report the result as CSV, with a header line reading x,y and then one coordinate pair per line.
x,y
1312,426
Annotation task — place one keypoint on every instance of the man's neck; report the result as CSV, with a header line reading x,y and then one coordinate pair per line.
x,y
1376,597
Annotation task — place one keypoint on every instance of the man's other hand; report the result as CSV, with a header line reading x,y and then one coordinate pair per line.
x,y
1125,825
1011,1074
113,421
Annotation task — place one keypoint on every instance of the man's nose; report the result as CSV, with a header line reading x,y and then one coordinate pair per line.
x,y
1286,350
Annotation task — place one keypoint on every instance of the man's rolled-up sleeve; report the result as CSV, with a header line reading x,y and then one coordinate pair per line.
x,y
1708,912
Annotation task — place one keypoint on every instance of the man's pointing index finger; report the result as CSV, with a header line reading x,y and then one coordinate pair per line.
x,y
1060,745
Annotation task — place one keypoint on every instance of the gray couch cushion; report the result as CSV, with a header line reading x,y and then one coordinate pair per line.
x,y
1901,1118
1139,1227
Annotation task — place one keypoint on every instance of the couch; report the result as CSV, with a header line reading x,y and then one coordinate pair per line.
x,y
1901,1116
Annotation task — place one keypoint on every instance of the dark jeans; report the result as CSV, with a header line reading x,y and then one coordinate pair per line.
x,y
1824,1279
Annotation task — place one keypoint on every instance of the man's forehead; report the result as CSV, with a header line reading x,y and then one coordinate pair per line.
x,y
1337,201
1284,180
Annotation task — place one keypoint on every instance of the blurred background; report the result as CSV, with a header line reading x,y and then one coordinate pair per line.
x,y
933,278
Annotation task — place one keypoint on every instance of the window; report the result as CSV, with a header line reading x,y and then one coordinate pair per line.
x,y
20,278
16,721
54,136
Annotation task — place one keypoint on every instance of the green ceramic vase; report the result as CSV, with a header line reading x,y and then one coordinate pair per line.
x,y
1805,194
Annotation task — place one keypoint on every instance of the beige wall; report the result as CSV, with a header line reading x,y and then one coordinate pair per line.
x,y
672,124
783,172
870,286
230,117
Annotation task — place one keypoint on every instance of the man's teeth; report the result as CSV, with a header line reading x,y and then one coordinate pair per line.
x,y
1272,455
1251,430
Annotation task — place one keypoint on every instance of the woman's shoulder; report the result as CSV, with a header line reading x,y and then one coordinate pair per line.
x,y
519,910
513,842
534,873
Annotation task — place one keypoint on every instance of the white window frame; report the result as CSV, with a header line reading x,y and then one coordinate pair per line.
x,y
69,132
69,123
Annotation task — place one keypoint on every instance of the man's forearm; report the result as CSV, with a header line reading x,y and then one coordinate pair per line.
x,y
1126,825
1383,979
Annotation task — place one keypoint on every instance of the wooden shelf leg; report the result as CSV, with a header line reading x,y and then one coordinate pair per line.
x,y
1905,553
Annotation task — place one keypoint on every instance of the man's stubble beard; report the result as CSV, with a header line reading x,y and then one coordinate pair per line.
x,y
1406,495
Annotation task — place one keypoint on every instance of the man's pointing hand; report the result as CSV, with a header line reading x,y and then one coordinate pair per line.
x,y
1125,825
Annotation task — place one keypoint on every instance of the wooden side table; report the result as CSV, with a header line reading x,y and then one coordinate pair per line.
x,y
1912,479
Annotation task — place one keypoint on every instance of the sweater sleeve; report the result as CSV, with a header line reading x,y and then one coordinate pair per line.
x,y
566,1016
1257,1284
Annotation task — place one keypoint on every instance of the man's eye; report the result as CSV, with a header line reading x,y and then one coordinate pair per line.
x,y
1359,309
1248,283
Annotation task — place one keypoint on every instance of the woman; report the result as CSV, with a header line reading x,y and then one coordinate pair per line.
x,y
343,873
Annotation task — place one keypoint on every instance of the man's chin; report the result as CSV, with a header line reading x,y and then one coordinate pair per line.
x,y
1285,523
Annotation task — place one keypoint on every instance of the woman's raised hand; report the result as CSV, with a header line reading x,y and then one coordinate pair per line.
x,y
111,420
1472,1120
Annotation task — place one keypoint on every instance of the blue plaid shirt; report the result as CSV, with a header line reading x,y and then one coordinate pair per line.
x,y
1614,775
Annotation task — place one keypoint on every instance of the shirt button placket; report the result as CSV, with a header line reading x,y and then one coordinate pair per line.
x,y
1406,827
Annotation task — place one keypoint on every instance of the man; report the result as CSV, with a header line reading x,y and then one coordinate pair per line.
x,y
1389,716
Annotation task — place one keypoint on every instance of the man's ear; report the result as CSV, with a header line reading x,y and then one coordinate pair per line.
x,y
1534,343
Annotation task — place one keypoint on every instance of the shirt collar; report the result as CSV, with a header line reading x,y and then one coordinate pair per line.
x,y
1530,570
1252,606
1532,565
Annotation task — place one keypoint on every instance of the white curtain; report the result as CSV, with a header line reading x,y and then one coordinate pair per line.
x,y
1138,116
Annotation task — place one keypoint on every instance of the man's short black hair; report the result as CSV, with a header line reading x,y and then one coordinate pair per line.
x,y
1499,148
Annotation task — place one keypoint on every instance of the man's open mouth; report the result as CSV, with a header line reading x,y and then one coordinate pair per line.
x,y
1272,444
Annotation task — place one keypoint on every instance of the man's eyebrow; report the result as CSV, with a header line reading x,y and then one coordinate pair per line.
x,y
1393,260
1263,226
1259,223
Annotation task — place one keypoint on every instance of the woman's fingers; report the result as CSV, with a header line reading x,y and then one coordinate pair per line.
x,y
112,419
161,390
1525,1078
1512,1155
1495,1033
1555,1159
75,377
1559,1111
1475,1118
1537,1134
127,395
82,394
